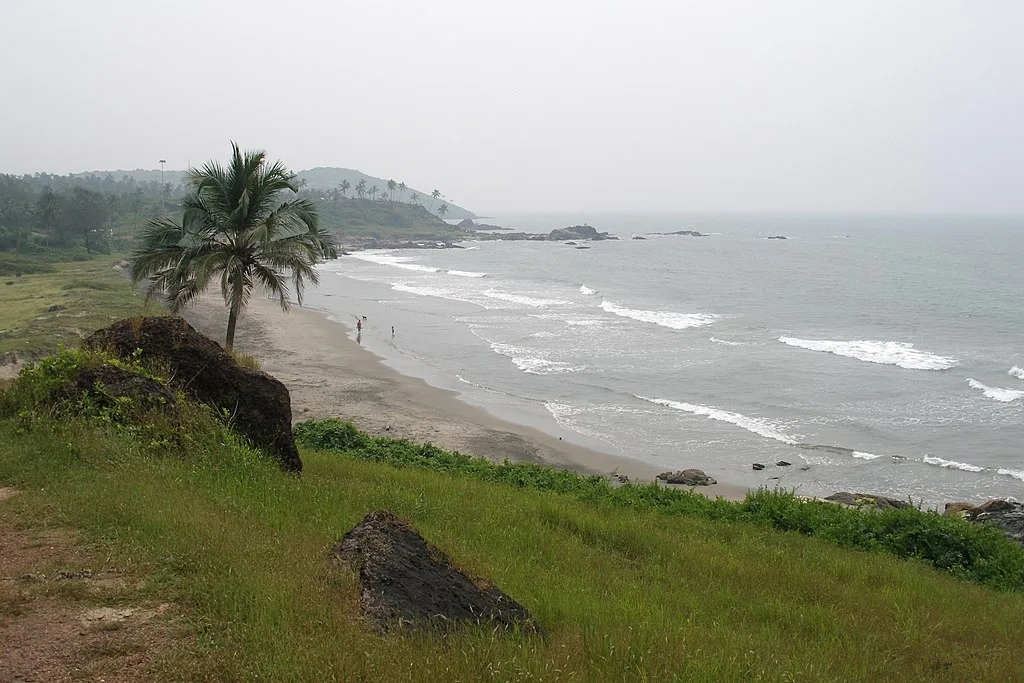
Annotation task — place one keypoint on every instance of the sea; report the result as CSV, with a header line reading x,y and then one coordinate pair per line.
x,y
880,354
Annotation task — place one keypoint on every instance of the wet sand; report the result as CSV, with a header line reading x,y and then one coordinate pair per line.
x,y
330,375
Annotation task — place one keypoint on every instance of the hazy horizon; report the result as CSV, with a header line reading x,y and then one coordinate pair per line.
x,y
564,107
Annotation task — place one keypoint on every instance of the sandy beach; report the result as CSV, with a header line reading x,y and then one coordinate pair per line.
x,y
330,375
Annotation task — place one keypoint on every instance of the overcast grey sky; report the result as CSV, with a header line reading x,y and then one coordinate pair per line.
x,y
541,105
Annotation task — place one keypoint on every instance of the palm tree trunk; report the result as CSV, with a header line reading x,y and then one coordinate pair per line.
x,y
232,320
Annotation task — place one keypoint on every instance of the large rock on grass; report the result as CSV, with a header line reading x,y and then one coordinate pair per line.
x,y
259,405
867,500
1005,515
106,383
688,477
409,584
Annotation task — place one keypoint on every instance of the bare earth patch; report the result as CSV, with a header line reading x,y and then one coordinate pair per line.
x,y
63,619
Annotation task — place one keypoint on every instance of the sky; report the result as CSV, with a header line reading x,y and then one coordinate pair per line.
x,y
556,105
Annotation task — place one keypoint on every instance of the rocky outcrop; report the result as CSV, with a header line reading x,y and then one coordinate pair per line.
x,y
778,237
578,232
688,477
468,225
1007,516
409,584
867,500
688,233
259,405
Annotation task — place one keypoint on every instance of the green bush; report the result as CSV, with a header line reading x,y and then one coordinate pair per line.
x,y
970,551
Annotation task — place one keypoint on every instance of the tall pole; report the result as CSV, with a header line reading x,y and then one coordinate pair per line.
x,y
162,162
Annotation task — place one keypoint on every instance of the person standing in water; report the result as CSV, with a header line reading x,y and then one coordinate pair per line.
x,y
359,325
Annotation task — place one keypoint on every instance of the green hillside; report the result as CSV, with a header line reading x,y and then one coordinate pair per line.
x,y
329,178
354,219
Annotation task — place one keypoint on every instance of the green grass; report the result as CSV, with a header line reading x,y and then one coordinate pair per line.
x,y
92,293
624,594
384,220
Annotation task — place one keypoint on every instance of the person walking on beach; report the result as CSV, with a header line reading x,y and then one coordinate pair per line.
x,y
359,325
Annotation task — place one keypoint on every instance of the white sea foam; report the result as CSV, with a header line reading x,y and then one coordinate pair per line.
x,y
901,354
725,342
995,393
676,321
1016,474
563,414
544,335
757,425
952,464
866,456
587,291
1016,372
386,259
433,291
531,362
523,300
466,273
584,322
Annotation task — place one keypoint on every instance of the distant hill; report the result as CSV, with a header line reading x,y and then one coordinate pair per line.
x,y
328,178
352,219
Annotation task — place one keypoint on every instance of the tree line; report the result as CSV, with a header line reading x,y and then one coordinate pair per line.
x,y
340,193
43,212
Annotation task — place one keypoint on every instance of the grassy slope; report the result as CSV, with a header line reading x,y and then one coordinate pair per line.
x,y
624,595
92,293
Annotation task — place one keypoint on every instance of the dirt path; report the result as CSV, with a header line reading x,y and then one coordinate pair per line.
x,y
65,617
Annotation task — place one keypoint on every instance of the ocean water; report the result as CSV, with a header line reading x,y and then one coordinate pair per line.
x,y
874,353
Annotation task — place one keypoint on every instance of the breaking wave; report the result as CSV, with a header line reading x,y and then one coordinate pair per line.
x,y
675,321
523,300
531,363
725,342
952,464
587,291
901,354
995,393
433,291
396,261
756,425
1016,372
466,273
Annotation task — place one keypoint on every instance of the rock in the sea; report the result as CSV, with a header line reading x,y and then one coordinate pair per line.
x,y
783,463
758,467
259,404
578,232
688,477
778,237
688,233
639,237
409,584
868,500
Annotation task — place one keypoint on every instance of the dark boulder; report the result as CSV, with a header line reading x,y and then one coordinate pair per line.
x,y
688,233
778,237
868,500
410,584
758,467
688,477
106,383
1007,516
639,237
259,405
783,463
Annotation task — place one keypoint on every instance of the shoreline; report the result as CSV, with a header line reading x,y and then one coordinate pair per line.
x,y
330,375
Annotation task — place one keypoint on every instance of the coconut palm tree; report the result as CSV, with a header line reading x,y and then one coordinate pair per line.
x,y
414,198
344,185
402,187
361,188
234,228
442,209
433,197
391,188
373,192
